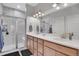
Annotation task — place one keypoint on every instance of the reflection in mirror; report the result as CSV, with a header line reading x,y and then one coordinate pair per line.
x,y
30,28
37,29
41,29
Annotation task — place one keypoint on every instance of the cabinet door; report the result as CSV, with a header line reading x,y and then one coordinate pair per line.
x,y
59,54
48,51
39,54
35,45
29,43
35,48
32,48
35,52
40,48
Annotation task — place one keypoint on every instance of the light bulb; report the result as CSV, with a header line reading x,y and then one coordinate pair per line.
x,y
65,4
54,5
42,14
57,8
39,12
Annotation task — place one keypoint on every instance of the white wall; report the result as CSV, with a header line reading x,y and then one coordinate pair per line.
x,y
0,9
58,26
20,6
72,25
14,13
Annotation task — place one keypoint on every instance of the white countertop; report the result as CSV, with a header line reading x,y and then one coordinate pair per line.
x,y
74,43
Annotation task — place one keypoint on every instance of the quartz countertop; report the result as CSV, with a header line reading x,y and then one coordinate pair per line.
x,y
74,43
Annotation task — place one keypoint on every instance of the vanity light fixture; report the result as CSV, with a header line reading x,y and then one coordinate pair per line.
x,y
40,15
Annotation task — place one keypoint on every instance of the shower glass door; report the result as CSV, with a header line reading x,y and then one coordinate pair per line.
x,y
16,37
20,24
9,40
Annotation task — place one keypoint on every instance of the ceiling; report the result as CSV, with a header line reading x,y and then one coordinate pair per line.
x,y
33,4
31,8
40,7
47,8
20,6
34,7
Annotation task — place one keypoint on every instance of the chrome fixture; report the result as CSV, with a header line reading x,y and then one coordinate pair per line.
x,y
54,5
58,5
38,14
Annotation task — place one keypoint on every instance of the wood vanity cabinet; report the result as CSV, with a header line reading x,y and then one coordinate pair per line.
x,y
35,47
49,52
30,44
41,47
39,54
59,54
32,49
62,49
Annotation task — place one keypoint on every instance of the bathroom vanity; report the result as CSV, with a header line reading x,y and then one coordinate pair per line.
x,y
49,45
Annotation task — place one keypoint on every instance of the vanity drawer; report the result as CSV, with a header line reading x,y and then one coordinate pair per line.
x,y
49,52
40,41
60,48
50,45
59,54
67,50
35,45
31,44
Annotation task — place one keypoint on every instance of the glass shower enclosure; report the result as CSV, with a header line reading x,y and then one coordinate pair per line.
x,y
16,37
16,28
